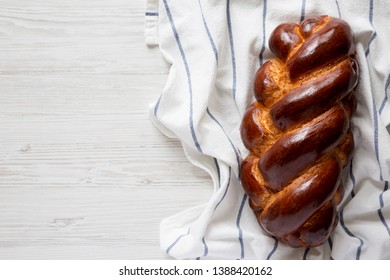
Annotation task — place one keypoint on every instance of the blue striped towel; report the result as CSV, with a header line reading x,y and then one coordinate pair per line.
x,y
215,47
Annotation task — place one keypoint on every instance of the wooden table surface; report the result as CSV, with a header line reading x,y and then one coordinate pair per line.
x,y
84,174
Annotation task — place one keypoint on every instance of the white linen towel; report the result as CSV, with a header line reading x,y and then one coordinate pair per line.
x,y
215,47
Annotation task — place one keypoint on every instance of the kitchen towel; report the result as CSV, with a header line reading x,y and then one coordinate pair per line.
x,y
214,48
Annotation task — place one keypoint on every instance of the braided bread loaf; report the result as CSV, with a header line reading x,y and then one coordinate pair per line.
x,y
298,131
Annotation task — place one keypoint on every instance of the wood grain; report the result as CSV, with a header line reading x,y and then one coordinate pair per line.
x,y
83,172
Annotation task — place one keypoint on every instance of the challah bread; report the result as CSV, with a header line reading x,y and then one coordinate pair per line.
x,y
298,130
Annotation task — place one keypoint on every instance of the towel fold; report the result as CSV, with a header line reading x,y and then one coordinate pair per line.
x,y
215,47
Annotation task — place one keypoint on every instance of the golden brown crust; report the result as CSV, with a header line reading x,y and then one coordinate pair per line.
x,y
298,131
